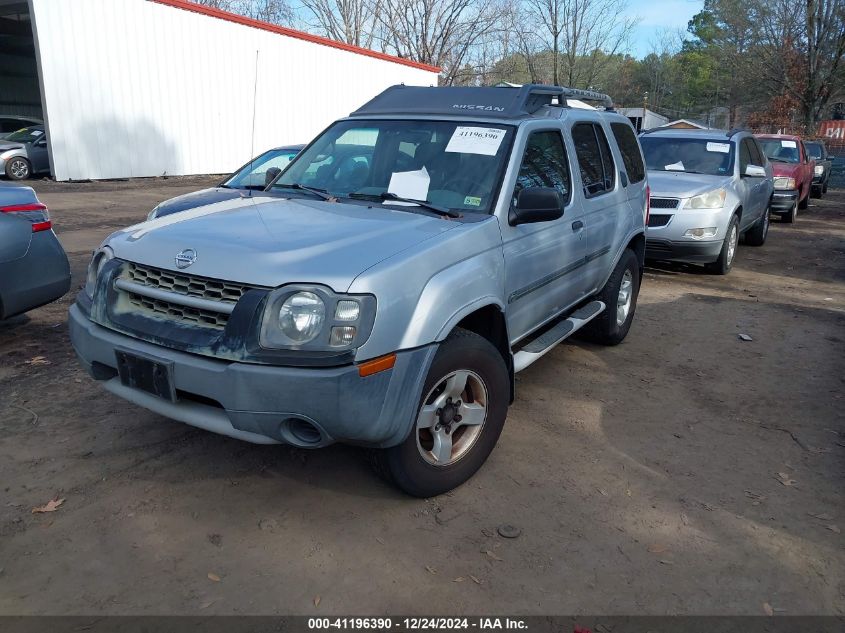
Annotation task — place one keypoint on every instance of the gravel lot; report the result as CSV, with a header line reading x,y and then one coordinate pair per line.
x,y
682,472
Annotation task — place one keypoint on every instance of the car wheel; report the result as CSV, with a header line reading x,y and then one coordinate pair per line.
x,y
824,188
816,191
756,235
725,261
459,419
18,168
790,216
619,296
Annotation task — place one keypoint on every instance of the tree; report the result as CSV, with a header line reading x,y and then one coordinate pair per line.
x,y
351,21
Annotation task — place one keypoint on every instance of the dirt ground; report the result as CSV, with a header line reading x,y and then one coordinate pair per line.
x,y
682,472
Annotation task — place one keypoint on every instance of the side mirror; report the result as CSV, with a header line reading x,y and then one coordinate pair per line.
x,y
270,174
537,204
755,171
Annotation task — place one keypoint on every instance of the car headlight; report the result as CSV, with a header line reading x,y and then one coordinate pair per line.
x,y
102,256
316,318
782,182
710,200
819,170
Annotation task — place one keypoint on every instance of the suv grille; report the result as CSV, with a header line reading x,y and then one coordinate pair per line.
x,y
664,203
226,293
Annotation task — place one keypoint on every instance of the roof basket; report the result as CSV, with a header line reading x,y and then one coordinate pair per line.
x,y
495,102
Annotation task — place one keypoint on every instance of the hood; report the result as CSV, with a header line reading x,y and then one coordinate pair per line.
x,y
196,199
5,146
678,184
270,242
790,170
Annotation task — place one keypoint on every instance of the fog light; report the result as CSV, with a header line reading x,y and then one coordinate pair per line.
x,y
347,311
700,234
342,336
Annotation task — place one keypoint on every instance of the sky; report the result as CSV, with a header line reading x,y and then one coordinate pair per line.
x,y
656,16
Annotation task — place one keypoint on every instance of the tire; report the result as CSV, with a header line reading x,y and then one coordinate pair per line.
x,y
611,326
803,204
725,261
18,168
464,357
790,216
824,188
816,191
756,235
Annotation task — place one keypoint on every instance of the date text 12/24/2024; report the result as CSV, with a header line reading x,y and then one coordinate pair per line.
x,y
417,624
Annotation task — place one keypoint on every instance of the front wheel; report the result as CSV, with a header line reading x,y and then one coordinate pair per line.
x,y
725,261
18,168
619,296
459,419
790,216
803,204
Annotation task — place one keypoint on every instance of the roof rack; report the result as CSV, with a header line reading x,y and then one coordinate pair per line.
x,y
495,102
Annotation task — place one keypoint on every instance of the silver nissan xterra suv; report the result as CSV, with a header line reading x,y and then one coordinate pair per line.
x,y
386,287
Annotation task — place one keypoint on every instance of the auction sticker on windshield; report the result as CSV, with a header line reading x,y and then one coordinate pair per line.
x,y
791,144
723,148
476,140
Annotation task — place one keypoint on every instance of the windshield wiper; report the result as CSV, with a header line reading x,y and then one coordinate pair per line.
x,y
386,196
779,160
320,193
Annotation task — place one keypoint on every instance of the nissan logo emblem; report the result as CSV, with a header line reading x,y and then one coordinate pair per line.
x,y
186,258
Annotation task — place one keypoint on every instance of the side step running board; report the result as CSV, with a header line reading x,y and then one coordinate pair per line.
x,y
544,343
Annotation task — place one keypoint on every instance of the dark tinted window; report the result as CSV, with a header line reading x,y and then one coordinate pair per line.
x,y
757,155
630,149
815,150
544,164
594,160
744,156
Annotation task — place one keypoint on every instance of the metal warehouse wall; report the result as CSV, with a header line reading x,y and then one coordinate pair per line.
x,y
137,88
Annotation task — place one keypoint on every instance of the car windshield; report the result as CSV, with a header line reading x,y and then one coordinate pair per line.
x,y
261,170
690,155
455,165
814,149
781,150
26,135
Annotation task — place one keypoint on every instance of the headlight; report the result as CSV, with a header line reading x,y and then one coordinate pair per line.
x,y
101,257
711,200
315,318
819,170
301,317
702,233
782,182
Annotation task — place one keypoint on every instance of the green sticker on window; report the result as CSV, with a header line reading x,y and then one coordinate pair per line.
x,y
472,200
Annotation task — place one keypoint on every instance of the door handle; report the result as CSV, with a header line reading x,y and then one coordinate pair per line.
x,y
577,225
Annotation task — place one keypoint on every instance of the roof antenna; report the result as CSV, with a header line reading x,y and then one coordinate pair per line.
x,y
254,99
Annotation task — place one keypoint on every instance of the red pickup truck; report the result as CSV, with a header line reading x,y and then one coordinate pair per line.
x,y
793,169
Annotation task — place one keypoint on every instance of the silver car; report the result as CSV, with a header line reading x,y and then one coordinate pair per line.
x,y
412,259
24,153
707,189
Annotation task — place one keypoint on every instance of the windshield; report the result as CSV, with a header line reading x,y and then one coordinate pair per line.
x,y
814,149
691,155
26,135
258,173
781,150
455,165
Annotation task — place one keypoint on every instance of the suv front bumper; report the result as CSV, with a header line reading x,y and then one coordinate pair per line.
x,y
266,404
687,251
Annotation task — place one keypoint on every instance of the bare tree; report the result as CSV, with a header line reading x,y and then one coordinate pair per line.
x,y
273,11
351,21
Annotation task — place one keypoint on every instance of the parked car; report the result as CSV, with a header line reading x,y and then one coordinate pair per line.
x,y
12,123
389,297
24,153
793,170
817,150
254,176
708,188
34,269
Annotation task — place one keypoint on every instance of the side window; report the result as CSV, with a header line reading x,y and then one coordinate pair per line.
x,y
744,156
757,153
630,150
594,159
544,164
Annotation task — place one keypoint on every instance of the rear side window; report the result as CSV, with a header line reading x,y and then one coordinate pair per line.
x,y
544,164
630,150
594,159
